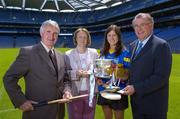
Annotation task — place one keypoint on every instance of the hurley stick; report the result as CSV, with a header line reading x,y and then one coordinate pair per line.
x,y
43,103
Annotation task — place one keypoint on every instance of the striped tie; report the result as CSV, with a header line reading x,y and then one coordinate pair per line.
x,y
138,49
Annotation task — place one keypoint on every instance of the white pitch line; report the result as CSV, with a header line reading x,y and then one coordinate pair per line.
x,y
7,110
1,92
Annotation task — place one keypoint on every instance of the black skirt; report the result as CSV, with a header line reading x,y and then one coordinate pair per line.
x,y
121,104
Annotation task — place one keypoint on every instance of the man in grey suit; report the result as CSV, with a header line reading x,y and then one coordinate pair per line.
x,y
45,77
149,72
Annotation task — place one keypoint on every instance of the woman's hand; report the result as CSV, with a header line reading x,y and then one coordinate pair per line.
x,y
82,74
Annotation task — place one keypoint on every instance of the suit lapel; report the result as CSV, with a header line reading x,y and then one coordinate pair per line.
x,y
60,65
134,45
44,55
58,59
145,48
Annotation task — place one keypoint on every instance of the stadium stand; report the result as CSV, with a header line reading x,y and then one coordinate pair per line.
x,y
7,41
17,26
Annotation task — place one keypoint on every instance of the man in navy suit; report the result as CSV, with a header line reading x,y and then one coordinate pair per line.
x,y
149,72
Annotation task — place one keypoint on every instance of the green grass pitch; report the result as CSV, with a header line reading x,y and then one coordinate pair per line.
x,y
7,110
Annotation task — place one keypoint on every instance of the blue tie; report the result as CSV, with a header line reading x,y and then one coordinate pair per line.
x,y
138,49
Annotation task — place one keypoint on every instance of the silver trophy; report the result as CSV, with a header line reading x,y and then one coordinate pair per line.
x,y
102,68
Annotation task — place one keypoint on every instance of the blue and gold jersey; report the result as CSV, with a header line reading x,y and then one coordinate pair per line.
x,y
123,58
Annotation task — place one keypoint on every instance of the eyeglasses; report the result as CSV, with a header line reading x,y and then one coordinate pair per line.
x,y
140,26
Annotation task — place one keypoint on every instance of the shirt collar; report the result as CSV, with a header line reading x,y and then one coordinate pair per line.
x,y
145,40
47,49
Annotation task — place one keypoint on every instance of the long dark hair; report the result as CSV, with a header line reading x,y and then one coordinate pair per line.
x,y
119,45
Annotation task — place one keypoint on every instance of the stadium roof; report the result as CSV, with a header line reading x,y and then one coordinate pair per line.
x,y
60,5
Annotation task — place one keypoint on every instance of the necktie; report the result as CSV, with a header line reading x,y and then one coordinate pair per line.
x,y
53,59
138,49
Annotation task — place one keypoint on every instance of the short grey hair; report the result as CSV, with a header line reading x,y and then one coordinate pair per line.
x,y
49,23
146,16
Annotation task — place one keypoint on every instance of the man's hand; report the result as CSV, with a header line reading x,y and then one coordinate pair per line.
x,y
129,90
26,106
66,97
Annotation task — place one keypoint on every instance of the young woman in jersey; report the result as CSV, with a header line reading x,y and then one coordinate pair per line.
x,y
114,49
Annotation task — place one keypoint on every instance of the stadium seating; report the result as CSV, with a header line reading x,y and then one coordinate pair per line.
x,y
6,41
18,26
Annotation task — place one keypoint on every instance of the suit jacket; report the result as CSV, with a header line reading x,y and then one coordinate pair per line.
x,y
41,81
149,73
75,64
